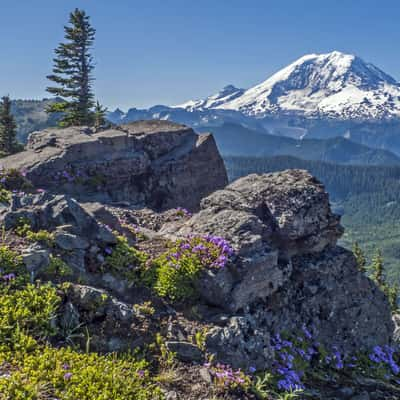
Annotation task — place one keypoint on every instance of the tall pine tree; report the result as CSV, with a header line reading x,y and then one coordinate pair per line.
x,y
72,72
8,128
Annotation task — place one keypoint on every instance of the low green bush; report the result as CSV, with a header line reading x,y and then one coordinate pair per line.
x,y
124,260
176,272
5,195
57,268
24,229
64,374
33,370
28,311
13,273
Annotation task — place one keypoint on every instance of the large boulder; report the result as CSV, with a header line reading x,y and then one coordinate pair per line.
x,y
267,219
287,273
155,163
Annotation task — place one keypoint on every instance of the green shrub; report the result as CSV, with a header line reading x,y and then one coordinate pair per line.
x,y
49,373
24,229
13,273
57,268
29,311
177,283
146,308
5,195
125,260
13,179
41,236
176,272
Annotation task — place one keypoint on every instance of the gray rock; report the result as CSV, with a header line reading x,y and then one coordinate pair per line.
x,y
205,375
396,322
75,227
69,319
241,343
361,396
185,351
69,241
345,392
171,395
36,258
264,218
156,163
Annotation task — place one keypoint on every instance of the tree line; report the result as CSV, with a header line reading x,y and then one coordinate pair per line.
x,y
71,84
376,271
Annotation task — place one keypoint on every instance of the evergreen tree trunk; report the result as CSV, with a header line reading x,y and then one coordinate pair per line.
x,y
72,73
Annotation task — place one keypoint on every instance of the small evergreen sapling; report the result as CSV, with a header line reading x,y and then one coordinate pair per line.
x,y
360,257
377,269
99,115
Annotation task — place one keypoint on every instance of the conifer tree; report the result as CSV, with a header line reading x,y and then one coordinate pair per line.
x,y
360,257
72,72
8,128
377,270
99,115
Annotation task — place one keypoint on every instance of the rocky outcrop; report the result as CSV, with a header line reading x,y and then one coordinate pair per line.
x,y
78,234
288,272
155,163
267,219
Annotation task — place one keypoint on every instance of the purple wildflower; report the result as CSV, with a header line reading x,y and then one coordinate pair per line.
x,y
68,376
252,370
9,277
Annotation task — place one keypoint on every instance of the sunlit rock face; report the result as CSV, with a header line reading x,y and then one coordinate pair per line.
x,y
150,163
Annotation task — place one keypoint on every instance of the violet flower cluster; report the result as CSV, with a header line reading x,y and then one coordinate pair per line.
x,y
13,179
210,251
227,377
385,355
289,376
183,212
68,175
8,277
294,358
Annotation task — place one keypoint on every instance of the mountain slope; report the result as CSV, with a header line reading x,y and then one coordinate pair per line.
x,y
31,116
234,139
334,85
227,94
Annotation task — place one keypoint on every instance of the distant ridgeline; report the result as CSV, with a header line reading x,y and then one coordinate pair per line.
x,y
31,116
367,196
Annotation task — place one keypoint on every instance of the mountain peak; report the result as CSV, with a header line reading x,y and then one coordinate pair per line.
x,y
334,84
228,93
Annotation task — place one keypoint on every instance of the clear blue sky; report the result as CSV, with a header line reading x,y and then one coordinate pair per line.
x,y
168,51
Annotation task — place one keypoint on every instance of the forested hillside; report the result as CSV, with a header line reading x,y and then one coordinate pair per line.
x,y
31,116
367,196
237,140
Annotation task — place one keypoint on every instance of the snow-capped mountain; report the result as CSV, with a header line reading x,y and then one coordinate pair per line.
x,y
334,85
227,94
